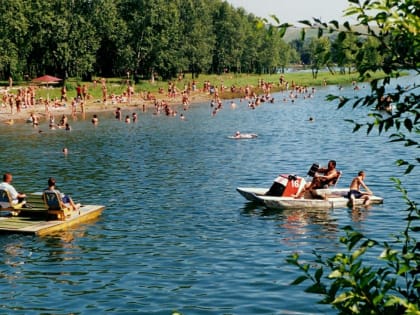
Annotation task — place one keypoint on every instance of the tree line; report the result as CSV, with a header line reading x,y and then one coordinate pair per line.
x,y
148,38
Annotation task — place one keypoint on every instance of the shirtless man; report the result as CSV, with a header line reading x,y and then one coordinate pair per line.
x,y
355,192
323,177
329,174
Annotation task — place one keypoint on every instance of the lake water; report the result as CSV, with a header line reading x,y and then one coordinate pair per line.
x,y
175,235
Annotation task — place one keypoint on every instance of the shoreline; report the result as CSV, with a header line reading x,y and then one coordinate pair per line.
x,y
96,106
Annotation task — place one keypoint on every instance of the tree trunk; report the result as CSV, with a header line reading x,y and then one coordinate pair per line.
x,y
152,76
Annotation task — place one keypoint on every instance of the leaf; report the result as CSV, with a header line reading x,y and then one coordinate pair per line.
x,y
275,18
354,239
408,124
302,34
409,169
403,269
260,24
341,298
306,22
335,23
299,280
357,253
335,274
410,142
282,31
316,288
342,36
347,25
320,32
318,274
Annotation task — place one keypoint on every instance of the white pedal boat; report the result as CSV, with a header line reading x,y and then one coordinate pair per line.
x,y
324,199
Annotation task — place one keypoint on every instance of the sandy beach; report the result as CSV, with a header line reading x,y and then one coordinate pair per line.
x,y
96,106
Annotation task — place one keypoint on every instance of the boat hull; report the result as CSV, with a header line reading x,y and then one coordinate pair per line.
x,y
252,193
326,199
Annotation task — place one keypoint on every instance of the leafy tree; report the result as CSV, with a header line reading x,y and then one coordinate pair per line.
x,y
301,46
344,280
343,51
319,50
197,38
368,54
270,55
153,36
253,33
113,56
115,37
13,37
229,38
287,55
63,39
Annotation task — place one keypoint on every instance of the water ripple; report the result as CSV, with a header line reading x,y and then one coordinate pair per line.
x,y
175,234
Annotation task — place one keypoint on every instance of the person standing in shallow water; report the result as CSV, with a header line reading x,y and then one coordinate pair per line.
x,y
118,114
95,119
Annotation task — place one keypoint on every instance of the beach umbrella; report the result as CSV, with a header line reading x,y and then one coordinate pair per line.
x,y
46,79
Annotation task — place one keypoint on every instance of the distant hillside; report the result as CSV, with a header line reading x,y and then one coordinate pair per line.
x,y
295,33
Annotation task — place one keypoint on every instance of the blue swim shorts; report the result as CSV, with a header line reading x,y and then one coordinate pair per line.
x,y
357,194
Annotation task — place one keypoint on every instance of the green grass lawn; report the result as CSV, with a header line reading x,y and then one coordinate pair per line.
x,y
118,85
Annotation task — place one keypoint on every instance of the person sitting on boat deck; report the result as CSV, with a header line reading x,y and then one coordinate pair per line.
x,y
68,202
328,177
355,192
6,185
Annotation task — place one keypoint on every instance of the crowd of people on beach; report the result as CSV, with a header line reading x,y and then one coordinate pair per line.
x,y
168,102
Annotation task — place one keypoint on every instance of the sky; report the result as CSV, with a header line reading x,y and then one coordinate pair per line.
x,y
294,10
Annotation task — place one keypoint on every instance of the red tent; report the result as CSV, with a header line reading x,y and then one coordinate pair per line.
x,y
46,79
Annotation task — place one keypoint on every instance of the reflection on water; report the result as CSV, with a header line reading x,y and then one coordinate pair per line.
x,y
175,234
297,229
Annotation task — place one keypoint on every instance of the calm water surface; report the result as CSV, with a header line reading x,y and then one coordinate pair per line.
x,y
175,234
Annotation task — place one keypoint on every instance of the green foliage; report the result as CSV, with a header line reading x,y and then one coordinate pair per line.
x,y
345,280
350,286
149,39
319,50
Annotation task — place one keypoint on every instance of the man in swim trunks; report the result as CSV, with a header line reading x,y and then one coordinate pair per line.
x,y
355,192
